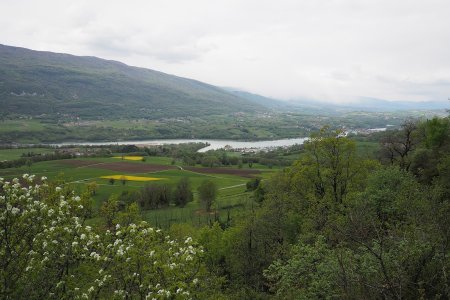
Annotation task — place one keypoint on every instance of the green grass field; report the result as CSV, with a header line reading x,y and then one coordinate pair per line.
x,y
231,202
21,125
11,154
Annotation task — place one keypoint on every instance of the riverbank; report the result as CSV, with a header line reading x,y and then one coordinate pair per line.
x,y
213,144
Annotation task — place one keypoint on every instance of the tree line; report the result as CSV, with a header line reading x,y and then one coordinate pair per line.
x,y
337,225
28,160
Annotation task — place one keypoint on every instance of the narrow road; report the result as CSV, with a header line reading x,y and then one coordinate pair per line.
x,y
232,186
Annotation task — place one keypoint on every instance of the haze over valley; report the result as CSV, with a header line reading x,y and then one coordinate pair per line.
x,y
61,97
224,149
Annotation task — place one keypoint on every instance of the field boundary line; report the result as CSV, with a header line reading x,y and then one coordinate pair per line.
x,y
87,166
229,196
232,186
203,174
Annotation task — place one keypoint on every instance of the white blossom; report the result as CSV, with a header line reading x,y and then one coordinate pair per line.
x,y
54,227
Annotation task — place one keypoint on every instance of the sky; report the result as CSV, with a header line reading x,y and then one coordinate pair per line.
x,y
329,50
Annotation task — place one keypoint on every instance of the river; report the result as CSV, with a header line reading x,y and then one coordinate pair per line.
x,y
213,144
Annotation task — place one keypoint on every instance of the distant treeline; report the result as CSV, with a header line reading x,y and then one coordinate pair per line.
x,y
169,150
187,154
29,158
218,158
27,146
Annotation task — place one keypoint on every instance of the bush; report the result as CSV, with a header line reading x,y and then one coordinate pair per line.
x,y
46,251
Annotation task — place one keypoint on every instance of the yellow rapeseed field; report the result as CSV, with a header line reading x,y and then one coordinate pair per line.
x,y
131,178
130,157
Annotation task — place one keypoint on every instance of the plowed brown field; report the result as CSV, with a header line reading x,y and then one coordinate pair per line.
x,y
227,171
118,166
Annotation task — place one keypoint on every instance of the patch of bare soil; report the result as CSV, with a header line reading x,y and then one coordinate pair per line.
x,y
119,166
78,162
227,171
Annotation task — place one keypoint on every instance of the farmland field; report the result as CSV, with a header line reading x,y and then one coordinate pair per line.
x,y
232,199
10,154
130,178
126,157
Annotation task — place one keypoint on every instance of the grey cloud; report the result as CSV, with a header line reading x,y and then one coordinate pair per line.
x,y
332,50
125,46
340,76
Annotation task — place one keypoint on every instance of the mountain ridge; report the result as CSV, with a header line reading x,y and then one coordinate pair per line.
x,y
49,84
42,82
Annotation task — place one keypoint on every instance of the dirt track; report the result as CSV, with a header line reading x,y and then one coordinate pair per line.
x,y
227,171
143,168
119,166
78,163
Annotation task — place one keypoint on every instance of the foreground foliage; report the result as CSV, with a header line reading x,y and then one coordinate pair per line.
x,y
46,251
335,225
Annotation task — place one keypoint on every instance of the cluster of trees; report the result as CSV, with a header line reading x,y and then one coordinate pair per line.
x,y
47,252
66,152
169,150
419,147
159,195
187,155
28,160
222,158
175,151
336,225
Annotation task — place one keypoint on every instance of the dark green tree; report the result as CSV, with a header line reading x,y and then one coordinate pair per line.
x,y
253,184
397,146
109,210
207,192
183,192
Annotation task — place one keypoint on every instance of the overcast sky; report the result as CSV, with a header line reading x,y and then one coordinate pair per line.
x,y
338,50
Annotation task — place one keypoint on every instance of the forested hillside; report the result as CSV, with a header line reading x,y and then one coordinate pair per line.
x,y
45,83
337,225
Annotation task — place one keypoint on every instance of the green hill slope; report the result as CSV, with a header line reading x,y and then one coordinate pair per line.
x,y
36,83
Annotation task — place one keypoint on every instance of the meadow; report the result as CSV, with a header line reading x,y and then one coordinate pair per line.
x,y
132,174
11,154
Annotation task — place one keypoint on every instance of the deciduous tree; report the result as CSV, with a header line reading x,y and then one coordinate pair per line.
x,y
183,193
47,252
207,192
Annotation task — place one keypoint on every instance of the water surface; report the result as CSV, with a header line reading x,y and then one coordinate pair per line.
x,y
213,144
